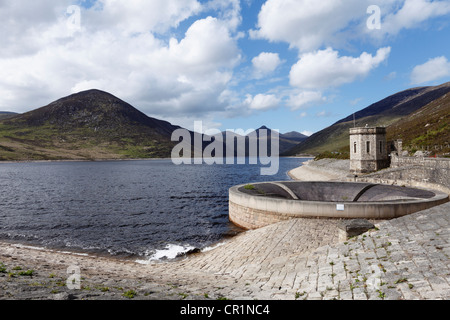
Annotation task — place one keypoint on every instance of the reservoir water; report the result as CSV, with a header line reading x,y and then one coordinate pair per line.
x,y
145,210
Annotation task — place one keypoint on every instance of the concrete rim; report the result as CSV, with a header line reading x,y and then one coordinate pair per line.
x,y
262,210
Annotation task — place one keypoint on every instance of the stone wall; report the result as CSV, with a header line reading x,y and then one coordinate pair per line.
x,y
250,218
435,163
431,173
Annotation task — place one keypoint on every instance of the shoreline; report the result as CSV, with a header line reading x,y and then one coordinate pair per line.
x,y
321,170
94,253
47,266
167,255
290,260
111,160
208,275
101,277
81,160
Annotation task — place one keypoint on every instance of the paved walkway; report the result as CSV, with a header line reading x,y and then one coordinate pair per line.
x,y
322,170
406,258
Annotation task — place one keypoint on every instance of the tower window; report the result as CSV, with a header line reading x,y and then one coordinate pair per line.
x,y
368,146
354,147
381,146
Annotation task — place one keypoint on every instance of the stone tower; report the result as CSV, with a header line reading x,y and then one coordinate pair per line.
x,y
368,149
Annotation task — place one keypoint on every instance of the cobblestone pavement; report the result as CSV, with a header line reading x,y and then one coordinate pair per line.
x,y
404,258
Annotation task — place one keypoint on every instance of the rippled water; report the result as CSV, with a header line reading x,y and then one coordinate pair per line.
x,y
122,208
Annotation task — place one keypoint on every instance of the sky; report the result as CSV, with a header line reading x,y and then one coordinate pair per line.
x,y
291,65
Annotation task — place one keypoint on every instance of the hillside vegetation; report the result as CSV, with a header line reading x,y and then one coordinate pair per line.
x,y
6,115
88,125
95,125
429,126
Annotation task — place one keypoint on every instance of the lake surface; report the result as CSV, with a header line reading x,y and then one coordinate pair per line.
x,y
145,210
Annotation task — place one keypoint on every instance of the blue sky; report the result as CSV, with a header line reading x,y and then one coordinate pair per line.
x,y
292,65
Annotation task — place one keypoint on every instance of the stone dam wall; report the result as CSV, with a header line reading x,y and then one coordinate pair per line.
x,y
429,173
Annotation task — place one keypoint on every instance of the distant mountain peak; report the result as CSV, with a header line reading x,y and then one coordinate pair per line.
x,y
91,93
295,134
91,123
94,109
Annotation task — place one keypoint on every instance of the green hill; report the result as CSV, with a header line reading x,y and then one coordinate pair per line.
x,y
286,141
387,112
428,127
88,125
6,115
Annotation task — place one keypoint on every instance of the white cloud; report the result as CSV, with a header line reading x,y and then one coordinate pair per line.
x,y
412,14
311,25
144,16
262,102
125,47
305,99
208,122
23,22
229,11
265,63
391,76
354,102
307,24
207,45
431,70
323,114
160,76
303,115
325,68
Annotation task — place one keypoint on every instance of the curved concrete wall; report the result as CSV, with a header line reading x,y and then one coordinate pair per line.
x,y
252,211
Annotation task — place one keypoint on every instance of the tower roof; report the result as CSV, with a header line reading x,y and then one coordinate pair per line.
x,y
368,130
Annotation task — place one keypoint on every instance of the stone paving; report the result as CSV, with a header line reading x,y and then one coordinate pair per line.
x,y
405,258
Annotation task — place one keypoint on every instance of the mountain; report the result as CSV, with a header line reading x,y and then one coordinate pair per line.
x,y
427,127
290,140
294,136
6,115
286,141
96,125
383,113
88,125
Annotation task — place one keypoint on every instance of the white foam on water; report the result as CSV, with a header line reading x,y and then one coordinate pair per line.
x,y
171,251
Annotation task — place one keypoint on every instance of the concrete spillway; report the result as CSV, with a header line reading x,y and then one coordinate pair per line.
x,y
256,205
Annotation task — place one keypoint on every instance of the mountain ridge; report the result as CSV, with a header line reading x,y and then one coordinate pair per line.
x,y
96,125
6,114
66,110
385,112
92,124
